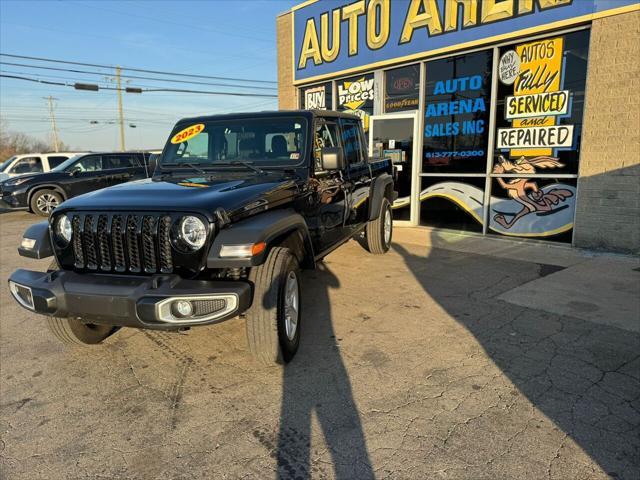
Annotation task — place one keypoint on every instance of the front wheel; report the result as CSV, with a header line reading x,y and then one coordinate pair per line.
x,y
273,321
72,331
44,201
378,232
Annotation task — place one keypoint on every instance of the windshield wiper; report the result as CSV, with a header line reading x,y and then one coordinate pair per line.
x,y
185,164
249,165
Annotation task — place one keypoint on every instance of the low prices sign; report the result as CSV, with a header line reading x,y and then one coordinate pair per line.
x,y
535,71
356,96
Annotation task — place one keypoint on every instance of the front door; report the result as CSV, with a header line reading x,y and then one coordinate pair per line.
x,y
394,136
87,175
325,206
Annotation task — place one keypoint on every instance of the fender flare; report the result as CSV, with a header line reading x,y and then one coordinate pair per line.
x,y
50,186
382,187
273,228
42,248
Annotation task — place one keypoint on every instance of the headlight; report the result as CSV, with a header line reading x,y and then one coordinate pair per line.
x,y
193,232
63,229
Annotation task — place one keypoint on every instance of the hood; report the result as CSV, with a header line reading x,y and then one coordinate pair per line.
x,y
236,196
35,178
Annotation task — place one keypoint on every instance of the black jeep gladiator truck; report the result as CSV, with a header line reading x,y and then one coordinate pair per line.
x,y
236,206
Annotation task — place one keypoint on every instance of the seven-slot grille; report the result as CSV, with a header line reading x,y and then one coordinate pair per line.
x,y
122,242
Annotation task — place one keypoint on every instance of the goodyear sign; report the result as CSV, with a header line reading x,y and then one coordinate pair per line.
x,y
343,36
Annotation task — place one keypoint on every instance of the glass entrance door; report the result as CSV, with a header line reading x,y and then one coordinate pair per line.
x,y
394,136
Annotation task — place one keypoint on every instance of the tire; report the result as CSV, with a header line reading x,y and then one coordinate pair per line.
x,y
44,201
72,331
273,321
379,232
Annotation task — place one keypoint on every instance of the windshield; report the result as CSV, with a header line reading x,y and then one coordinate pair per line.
x,y
264,142
63,166
6,163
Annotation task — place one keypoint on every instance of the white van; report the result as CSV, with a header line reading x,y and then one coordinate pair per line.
x,y
32,163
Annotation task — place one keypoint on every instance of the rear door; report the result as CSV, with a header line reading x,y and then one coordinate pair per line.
x,y
358,174
123,167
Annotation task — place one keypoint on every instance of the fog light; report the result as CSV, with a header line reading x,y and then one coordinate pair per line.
x,y
181,308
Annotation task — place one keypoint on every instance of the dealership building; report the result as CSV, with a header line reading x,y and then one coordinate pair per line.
x,y
511,118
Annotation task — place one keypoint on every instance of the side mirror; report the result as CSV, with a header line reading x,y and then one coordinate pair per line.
x,y
332,158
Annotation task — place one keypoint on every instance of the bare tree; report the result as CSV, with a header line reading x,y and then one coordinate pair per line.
x,y
12,143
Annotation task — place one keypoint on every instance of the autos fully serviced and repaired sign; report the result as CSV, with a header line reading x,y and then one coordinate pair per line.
x,y
340,37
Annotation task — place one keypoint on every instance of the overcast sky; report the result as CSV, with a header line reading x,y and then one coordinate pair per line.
x,y
220,38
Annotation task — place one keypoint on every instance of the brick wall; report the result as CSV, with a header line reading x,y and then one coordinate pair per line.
x,y
608,207
286,90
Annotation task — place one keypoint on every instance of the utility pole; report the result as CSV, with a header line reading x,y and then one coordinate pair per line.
x,y
56,144
119,85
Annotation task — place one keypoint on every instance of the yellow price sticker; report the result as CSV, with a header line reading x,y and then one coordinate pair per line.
x,y
191,184
187,133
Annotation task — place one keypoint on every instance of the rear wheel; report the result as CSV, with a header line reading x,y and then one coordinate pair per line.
x,y
44,201
72,331
273,321
378,232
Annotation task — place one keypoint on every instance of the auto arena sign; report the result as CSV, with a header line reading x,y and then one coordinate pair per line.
x,y
342,37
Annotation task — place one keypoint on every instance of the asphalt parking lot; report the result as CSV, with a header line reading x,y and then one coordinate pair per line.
x,y
412,365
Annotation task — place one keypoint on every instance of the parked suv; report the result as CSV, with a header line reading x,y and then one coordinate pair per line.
x,y
30,163
237,206
75,176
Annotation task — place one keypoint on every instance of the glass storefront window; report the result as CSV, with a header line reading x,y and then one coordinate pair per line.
x,y
452,202
541,208
317,97
457,104
530,176
402,88
540,103
356,95
538,131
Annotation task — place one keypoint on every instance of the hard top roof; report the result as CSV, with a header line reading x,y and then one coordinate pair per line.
x,y
270,114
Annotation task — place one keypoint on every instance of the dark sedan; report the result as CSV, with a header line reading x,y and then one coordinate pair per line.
x,y
43,192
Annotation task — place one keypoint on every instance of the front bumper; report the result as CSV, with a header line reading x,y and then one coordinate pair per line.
x,y
126,301
13,199
8,206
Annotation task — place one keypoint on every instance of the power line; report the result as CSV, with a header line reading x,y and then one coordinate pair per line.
x,y
100,83
136,77
92,87
132,69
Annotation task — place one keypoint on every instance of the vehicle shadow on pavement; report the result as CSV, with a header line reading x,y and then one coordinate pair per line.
x,y
316,386
582,376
